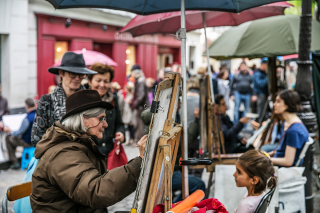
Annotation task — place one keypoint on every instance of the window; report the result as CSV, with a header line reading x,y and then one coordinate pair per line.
x,y
60,48
131,58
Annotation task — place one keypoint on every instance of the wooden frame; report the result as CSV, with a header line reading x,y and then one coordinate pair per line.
x,y
161,144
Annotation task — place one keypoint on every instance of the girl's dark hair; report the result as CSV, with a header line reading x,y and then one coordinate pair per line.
x,y
256,163
101,69
218,98
221,73
292,100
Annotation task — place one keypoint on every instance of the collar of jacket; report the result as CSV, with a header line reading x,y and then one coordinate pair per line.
x,y
90,141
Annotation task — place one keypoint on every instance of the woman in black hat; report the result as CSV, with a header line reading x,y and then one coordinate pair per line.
x,y
51,107
71,175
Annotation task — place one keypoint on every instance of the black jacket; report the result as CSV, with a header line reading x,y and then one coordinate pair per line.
x,y
115,124
241,83
230,133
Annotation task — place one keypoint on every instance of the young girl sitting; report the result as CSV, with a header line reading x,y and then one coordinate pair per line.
x,y
255,171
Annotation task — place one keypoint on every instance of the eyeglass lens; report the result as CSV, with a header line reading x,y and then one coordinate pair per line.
x,y
74,75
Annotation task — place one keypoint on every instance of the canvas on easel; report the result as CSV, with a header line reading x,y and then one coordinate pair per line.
x,y
164,109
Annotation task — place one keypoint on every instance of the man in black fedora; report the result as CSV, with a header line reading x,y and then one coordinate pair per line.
x,y
51,107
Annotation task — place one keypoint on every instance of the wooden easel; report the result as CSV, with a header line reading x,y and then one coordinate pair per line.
x,y
161,149
212,138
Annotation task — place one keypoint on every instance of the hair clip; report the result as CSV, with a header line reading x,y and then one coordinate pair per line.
x,y
266,154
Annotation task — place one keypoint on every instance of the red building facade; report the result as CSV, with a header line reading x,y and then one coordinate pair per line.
x,y
101,38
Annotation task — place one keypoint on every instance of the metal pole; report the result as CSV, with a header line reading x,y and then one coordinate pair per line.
x,y
185,185
207,53
304,89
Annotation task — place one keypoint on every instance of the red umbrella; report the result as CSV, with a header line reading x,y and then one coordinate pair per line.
x,y
287,57
170,22
90,57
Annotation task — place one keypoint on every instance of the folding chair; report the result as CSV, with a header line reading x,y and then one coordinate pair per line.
x,y
265,201
16,192
304,151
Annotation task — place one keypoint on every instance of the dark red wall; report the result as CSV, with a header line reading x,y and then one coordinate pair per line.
x,y
81,34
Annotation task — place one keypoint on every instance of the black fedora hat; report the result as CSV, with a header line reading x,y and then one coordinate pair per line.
x,y
72,62
84,100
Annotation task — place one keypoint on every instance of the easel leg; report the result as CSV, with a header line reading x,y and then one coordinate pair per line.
x,y
168,178
209,184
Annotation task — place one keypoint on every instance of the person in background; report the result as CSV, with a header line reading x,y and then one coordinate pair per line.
x,y
223,85
115,87
51,89
295,134
22,137
233,142
4,109
202,71
214,81
101,83
193,98
241,90
158,80
51,107
260,87
125,100
150,82
176,68
255,171
140,99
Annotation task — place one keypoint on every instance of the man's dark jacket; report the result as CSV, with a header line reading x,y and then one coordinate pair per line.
x,y
241,83
230,133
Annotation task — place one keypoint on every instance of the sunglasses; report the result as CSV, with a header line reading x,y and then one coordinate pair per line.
x,y
74,75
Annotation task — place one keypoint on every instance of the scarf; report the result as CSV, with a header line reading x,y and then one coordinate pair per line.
x,y
108,97
58,99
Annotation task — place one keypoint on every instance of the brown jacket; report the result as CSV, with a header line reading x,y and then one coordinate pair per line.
x,y
71,175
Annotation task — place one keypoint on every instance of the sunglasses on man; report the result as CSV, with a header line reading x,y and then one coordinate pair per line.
x,y
74,75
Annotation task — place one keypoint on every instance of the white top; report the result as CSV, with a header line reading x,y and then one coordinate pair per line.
x,y
248,204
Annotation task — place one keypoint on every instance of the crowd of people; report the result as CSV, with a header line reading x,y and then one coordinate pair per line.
x,y
75,126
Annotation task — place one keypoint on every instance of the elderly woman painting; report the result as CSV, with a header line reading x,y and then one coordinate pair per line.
x,y
71,175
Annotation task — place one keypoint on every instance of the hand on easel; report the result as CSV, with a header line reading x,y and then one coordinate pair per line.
x,y
6,129
244,120
142,144
196,112
244,141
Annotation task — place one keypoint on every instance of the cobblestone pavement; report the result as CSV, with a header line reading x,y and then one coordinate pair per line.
x,y
12,177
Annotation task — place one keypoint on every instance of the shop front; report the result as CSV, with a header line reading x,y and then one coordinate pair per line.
x,y
56,35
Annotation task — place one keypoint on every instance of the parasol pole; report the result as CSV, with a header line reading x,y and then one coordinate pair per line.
x,y
208,59
183,37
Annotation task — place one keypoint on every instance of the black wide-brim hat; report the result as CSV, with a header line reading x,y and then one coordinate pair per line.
x,y
83,100
72,62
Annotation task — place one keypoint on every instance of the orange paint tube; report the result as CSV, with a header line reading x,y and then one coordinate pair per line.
x,y
188,203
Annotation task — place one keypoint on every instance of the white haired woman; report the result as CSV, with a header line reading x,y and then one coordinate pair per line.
x,y
71,175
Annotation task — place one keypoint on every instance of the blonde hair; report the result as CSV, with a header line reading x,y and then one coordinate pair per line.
x,y
202,70
193,83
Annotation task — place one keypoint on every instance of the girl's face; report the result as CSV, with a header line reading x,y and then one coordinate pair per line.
x,y
241,177
101,83
225,76
279,105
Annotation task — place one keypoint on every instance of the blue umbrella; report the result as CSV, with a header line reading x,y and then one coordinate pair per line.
x,y
146,7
